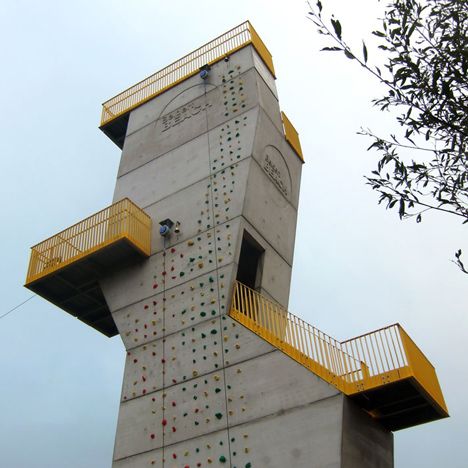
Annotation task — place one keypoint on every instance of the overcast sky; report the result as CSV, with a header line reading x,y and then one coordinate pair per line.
x,y
357,267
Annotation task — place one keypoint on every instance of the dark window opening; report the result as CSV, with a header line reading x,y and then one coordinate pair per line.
x,y
249,271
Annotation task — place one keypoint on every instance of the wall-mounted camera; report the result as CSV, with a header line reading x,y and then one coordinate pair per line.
x,y
204,71
165,227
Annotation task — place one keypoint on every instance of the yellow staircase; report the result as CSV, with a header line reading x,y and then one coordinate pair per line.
x,y
383,371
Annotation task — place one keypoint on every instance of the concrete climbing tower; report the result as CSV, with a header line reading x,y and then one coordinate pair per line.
x,y
191,265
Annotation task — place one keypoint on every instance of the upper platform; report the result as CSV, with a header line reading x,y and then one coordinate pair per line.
x,y
65,269
115,111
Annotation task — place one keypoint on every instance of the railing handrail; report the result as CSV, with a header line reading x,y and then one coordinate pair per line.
x,y
372,332
122,220
122,201
175,62
160,81
357,361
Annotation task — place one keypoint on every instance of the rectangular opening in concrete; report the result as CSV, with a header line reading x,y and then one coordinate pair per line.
x,y
249,270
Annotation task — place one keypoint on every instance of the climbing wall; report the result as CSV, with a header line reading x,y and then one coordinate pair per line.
x,y
200,390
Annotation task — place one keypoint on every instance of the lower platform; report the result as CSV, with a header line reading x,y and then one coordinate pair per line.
x,y
75,288
66,268
399,405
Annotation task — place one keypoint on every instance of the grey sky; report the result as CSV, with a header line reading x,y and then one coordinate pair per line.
x,y
357,267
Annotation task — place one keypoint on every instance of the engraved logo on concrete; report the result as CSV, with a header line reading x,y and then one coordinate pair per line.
x,y
275,166
181,114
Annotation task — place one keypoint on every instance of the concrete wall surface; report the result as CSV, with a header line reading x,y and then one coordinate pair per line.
x,y
199,389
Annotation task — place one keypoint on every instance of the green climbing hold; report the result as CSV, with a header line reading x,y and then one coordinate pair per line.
x,y
217,390
222,459
214,331
218,415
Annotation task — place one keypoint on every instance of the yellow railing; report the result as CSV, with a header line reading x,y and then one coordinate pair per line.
x,y
368,361
121,220
292,137
226,44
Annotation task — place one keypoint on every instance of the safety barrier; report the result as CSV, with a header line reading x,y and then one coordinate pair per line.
x,y
291,135
180,70
356,365
121,220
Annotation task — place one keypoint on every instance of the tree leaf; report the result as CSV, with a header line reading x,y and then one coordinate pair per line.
x,y
337,27
333,49
364,51
401,210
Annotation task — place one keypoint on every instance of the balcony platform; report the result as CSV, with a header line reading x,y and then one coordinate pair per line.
x,y
66,268
400,404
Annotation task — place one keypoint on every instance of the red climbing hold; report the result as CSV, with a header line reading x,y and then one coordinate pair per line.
x,y
172,250
174,456
164,422
155,285
152,436
146,306
173,403
173,429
